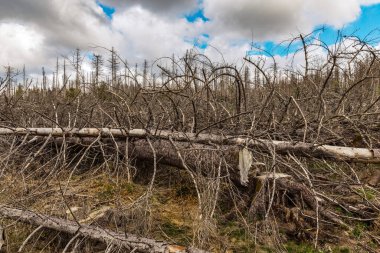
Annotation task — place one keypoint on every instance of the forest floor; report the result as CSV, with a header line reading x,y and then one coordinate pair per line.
x,y
93,197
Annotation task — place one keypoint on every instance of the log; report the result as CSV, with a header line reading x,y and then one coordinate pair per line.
x,y
166,154
2,237
124,241
339,153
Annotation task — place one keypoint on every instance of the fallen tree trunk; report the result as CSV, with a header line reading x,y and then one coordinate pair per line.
x,y
198,157
2,237
340,153
124,241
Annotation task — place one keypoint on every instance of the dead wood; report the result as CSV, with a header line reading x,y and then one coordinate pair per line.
x,y
299,194
340,153
197,156
124,241
2,237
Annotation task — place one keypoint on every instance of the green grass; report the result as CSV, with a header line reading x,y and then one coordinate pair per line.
x,y
367,194
180,234
300,248
358,231
341,250
108,191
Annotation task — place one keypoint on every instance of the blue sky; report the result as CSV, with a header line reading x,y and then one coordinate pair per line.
x,y
195,15
366,27
108,10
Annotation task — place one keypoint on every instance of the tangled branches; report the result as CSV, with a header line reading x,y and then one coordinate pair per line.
x,y
199,124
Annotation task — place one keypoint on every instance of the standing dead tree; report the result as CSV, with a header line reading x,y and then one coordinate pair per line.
x,y
97,62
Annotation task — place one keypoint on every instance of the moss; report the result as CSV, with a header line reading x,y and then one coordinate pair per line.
x,y
239,239
367,193
248,247
128,187
107,192
266,249
357,232
238,233
185,190
180,234
235,230
341,250
300,248
340,210
16,235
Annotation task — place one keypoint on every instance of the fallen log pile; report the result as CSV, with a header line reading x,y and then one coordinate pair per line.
x,y
200,153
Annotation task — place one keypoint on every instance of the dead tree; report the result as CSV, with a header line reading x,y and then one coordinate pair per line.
x,y
126,241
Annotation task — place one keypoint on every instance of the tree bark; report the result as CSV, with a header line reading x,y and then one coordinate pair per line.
x,y
340,153
2,237
198,157
124,241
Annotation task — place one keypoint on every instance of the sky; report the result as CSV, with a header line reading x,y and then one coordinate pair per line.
x,y
36,32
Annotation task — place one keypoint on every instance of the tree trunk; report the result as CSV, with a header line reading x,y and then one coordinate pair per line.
x,y
198,157
124,241
348,154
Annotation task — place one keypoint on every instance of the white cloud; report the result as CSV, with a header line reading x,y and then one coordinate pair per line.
x,y
67,23
147,35
42,30
165,7
224,50
36,32
278,19
21,45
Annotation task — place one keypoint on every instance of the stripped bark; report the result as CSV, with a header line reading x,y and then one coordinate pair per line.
x,y
2,237
340,153
124,241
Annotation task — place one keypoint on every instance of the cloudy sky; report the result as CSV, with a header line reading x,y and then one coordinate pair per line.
x,y
35,32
